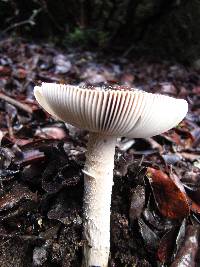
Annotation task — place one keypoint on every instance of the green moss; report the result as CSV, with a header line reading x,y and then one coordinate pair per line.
x,y
85,37
144,10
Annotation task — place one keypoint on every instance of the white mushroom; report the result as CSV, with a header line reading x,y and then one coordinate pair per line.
x,y
106,114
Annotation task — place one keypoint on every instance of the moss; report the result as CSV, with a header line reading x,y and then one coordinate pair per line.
x,y
86,37
144,10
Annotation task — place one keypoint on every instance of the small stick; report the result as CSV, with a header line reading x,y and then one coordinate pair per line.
x,y
10,129
16,103
30,21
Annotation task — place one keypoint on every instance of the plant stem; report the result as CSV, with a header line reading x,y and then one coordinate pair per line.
x,y
98,181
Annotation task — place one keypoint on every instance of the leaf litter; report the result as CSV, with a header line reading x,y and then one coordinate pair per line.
x,y
155,213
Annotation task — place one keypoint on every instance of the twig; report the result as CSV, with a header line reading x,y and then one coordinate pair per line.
x,y
10,129
27,21
24,237
16,103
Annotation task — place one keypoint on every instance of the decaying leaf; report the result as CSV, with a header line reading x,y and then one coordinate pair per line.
x,y
187,254
137,202
150,238
166,246
170,200
17,194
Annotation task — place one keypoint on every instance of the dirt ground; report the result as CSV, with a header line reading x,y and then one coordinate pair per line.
x,y
155,213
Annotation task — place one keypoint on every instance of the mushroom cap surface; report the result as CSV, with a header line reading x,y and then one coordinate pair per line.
x,y
131,113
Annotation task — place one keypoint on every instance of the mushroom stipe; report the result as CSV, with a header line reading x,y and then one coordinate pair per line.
x,y
106,114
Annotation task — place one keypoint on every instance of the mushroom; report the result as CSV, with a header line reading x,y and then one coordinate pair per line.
x,y
106,114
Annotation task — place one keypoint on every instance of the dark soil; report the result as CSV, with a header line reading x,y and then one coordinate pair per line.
x,y
155,213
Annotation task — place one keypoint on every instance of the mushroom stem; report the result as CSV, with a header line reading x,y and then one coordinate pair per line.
x,y
98,181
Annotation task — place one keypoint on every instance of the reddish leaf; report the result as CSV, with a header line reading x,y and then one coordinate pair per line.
x,y
173,137
170,243
127,79
166,246
5,70
196,90
22,142
170,198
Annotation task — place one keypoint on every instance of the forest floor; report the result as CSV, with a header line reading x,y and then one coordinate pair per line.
x,y
155,213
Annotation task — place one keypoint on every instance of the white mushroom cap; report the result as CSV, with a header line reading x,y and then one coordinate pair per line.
x,y
131,113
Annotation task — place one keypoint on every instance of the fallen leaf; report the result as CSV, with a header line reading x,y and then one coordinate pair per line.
x,y
190,156
168,88
30,157
165,247
150,237
186,256
137,202
5,70
196,135
170,200
17,193
62,64
197,163
171,159
52,132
